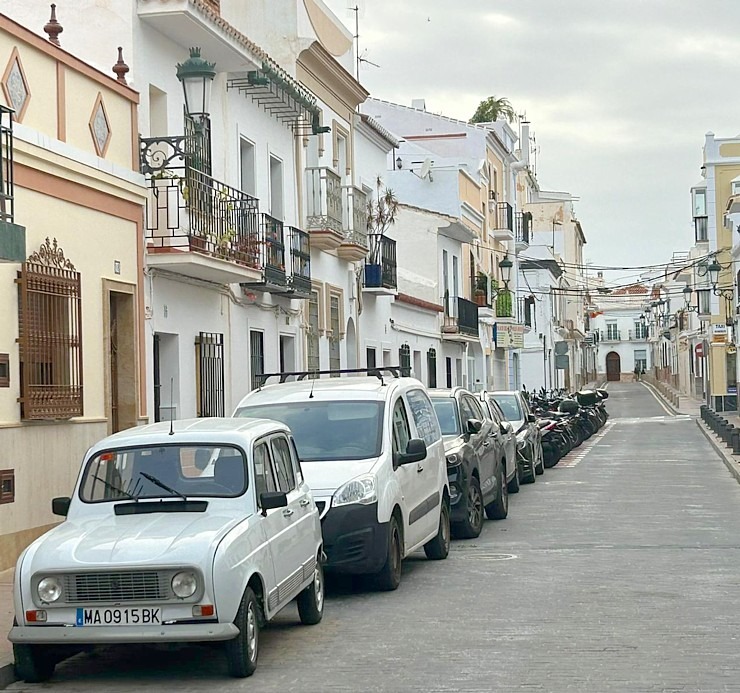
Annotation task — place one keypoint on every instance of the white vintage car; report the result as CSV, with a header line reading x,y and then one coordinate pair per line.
x,y
154,551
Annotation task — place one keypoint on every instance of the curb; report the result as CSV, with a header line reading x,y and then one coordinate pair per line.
x,y
661,397
7,673
727,458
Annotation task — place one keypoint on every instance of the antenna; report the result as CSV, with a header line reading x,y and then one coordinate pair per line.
x,y
172,409
426,169
313,381
356,37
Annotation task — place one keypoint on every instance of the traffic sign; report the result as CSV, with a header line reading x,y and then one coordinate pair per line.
x,y
699,350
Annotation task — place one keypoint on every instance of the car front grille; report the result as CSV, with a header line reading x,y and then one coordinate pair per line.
x,y
130,586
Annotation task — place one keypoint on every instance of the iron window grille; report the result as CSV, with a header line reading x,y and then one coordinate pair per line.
x,y
209,349
404,359
6,165
335,335
49,340
432,367
7,486
312,334
256,356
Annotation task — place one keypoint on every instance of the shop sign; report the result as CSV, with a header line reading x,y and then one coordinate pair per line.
x,y
509,336
719,334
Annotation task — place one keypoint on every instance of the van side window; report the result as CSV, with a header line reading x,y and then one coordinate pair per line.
x,y
427,424
283,464
296,462
401,431
264,481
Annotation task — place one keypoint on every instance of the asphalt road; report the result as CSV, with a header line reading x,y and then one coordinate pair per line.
x,y
619,570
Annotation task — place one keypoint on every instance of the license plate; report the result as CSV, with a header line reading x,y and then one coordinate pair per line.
x,y
137,616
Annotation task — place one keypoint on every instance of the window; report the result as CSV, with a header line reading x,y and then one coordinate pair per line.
x,y
641,359
448,372
50,336
432,368
283,464
704,298
700,203
401,431
529,310
209,374
6,164
470,410
4,370
157,112
312,333
276,189
611,330
256,356
335,336
264,481
370,357
404,359
446,410
509,405
7,486
640,330
427,426
246,162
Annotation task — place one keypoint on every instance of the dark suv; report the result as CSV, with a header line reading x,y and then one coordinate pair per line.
x,y
476,461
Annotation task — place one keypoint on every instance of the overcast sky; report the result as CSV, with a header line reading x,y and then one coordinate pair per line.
x,y
619,94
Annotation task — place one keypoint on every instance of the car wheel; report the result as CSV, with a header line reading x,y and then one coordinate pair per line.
x,y
529,475
311,600
514,484
539,468
33,663
389,578
472,525
499,509
242,651
438,548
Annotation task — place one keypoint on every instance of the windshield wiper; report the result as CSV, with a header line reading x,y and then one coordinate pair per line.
x,y
113,487
162,485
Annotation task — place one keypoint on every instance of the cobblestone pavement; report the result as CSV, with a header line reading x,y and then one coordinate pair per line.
x,y
617,572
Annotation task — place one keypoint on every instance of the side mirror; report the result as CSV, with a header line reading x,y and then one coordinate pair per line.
x,y
273,499
531,418
507,426
202,458
416,451
474,425
60,506
503,428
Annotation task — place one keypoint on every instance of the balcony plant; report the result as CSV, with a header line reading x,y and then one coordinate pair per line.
x,y
381,215
481,286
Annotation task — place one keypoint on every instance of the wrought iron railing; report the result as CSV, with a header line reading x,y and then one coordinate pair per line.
x,y
354,203
272,256
504,216
610,335
6,165
460,315
323,199
380,267
300,254
523,225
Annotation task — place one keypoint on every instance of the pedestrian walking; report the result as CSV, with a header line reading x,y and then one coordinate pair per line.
x,y
637,372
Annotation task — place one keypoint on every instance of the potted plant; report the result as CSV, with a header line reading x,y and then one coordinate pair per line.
x,y
481,284
381,215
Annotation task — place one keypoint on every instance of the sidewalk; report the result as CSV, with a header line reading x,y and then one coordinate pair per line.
x,y
677,402
7,675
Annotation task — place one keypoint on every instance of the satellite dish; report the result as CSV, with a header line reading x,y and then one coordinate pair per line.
x,y
426,168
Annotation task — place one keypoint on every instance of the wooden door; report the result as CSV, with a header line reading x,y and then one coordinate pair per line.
x,y
613,366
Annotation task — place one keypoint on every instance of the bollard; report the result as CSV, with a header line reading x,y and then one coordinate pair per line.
x,y
736,442
729,430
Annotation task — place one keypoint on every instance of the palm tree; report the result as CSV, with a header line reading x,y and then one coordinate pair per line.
x,y
490,109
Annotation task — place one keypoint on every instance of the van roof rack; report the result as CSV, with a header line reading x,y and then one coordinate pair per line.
x,y
377,371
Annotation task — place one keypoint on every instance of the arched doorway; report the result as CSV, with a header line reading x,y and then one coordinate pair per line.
x,y
613,366
351,344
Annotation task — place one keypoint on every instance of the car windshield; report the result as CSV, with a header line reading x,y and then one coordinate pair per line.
x,y
328,431
510,407
447,415
165,471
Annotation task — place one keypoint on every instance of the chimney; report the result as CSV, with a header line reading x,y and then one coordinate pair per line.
x,y
419,104
524,144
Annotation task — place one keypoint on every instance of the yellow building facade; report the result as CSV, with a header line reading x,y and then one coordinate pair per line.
x,y
71,302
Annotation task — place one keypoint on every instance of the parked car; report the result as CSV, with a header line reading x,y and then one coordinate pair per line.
x,y
151,551
529,439
508,440
476,461
372,453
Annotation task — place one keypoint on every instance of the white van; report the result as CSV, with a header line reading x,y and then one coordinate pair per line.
x,y
372,453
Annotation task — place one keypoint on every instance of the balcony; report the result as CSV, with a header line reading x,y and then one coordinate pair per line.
x,y
610,335
12,236
269,255
324,208
354,205
201,228
522,231
299,283
380,267
460,320
504,222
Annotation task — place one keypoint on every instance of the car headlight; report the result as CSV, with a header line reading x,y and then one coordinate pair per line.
x,y
184,584
360,490
49,589
453,459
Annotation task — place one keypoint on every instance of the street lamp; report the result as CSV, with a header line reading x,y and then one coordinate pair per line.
x,y
687,293
196,76
505,266
714,268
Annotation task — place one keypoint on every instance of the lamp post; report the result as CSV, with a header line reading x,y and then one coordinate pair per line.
x,y
505,266
196,76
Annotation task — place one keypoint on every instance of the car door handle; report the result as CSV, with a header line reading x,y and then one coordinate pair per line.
x,y
304,502
287,512
486,443
419,468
